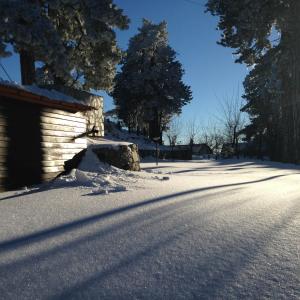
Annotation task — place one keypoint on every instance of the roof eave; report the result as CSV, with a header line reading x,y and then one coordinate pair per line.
x,y
26,96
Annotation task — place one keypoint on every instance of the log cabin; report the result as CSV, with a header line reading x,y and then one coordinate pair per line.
x,y
39,131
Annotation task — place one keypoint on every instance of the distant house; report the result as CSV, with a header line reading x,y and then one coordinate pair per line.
x,y
202,149
197,149
39,131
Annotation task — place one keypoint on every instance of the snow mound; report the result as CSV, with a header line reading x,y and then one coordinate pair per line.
x,y
102,178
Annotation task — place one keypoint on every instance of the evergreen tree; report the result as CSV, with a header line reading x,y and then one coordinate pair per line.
x,y
149,89
74,40
273,86
263,92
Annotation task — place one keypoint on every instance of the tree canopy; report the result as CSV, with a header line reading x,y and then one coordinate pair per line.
x,y
74,40
266,36
149,89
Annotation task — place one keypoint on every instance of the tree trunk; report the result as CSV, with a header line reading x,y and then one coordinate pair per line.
x,y
260,154
290,41
235,141
154,127
27,67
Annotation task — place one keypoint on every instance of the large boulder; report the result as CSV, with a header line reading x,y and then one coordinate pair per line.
x,y
121,156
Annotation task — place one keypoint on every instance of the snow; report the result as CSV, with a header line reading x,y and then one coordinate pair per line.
x,y
215,230
106,143
50,94
97,177
114,134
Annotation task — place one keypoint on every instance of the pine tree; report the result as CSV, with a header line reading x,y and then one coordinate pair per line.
x,y
274,83
149,89
263,92
74,40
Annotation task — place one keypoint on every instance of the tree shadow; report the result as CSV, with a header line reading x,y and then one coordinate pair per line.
x,y
150,217
238,167
214,287
146,219
39,189
156,167
235,265
60,229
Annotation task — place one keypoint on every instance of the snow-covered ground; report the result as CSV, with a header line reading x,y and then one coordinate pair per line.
x,y
179,230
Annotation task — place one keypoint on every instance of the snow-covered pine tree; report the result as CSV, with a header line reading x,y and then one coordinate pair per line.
x,y
149,89
263,92
250,28
74,40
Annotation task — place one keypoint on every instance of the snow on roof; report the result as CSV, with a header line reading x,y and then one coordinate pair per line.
x,y
106,143
50,94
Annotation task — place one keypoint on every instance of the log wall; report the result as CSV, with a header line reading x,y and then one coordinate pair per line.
x,y
35,141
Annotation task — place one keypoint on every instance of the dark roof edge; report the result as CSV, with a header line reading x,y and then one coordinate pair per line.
x,y
23,95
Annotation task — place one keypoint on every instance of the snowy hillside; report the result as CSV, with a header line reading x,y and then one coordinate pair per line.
x,y
112,132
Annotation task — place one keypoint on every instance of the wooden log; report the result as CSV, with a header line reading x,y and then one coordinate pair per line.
x,y
58,121
4,138
48,163
3,152
57,139
63,145
50,117
50,176
54,143
56,157
3,130
75,129
55,169
63,117
3,170
65,113
53,163
13,153
4,144
58,133
65,128
61,151
3,174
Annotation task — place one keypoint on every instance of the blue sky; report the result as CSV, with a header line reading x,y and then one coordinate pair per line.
x,y
209,68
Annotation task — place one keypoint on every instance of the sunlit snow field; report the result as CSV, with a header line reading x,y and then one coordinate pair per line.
x,y
181,230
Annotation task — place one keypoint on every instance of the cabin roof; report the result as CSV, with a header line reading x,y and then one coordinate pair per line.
x,y
41,96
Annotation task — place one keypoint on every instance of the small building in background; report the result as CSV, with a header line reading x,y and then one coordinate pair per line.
x,y
202,150
40,130
197,149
